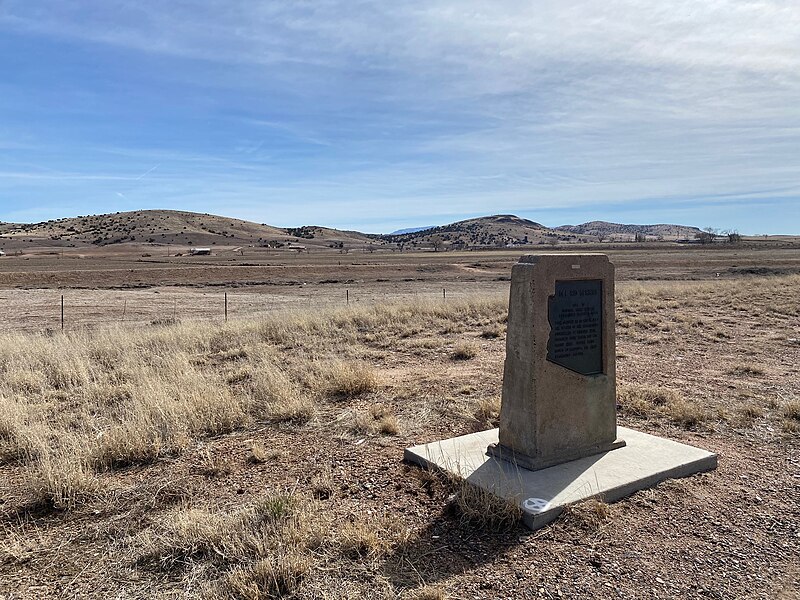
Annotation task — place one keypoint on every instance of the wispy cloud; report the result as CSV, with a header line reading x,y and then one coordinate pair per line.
x,y
409,111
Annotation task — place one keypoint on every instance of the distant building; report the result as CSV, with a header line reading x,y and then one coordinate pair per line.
x,y
2,253
199,251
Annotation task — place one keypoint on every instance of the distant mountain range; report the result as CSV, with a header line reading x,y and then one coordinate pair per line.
x,y
510,230
169,228
605,229
411,230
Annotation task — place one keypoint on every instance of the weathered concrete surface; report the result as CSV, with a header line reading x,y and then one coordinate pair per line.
x,y
642,463
551,414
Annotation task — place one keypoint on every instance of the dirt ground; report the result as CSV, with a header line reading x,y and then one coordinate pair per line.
x,y
725,350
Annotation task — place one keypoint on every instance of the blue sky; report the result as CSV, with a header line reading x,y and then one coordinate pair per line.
x,y
381,115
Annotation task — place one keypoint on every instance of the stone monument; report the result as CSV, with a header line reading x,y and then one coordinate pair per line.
x,y
559,383
558,440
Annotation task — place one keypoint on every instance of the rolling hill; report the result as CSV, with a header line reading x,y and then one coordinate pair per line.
x,y
619,232
169,227
482,232
151,228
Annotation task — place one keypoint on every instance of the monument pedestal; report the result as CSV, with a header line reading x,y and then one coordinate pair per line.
x,y
533,463
643,462
558,440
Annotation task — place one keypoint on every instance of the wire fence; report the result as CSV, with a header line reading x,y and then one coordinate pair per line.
x,y
56,310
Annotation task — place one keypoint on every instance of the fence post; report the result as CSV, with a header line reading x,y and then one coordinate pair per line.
x,y
347,296
226,307
444,294
62,312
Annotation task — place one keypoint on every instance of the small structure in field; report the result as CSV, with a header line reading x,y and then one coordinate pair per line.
x,y
200,251
2,253
558,441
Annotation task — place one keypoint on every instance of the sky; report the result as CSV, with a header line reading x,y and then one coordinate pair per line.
x,y
376,116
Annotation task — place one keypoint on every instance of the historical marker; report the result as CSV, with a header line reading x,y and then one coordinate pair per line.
x,y
559,385
557,441
575,314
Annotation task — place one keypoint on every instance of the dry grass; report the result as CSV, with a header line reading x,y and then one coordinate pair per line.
x,y
648,401
687,413
751,411
369,537
78,404
791,410
322,484
682,307
589,515
487,411
643,400
378,419
791,426
746,370
347,380
482,508
259,551
465,350
493,332
259,454
428,593
74,407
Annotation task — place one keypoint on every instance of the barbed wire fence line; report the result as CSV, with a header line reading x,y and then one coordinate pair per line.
x,y
71,309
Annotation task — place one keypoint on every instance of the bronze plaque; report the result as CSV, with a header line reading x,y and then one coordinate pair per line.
x,y
575,313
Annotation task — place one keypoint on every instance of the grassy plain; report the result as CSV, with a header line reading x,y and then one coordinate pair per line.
x,y
261,457
115,284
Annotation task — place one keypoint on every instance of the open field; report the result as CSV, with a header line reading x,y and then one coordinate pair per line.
x,y
262,458
110,285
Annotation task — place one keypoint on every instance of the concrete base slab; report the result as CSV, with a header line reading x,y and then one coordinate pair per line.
x,y
643,462
531,463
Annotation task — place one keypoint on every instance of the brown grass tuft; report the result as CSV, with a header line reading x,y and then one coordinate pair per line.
x,y
274,577
59,482
379,418
322,484
487,411
494,332
276,397
746,370
465,351
260,551
259,454
687,414
643,400
482,508
649,401
428,593
791,426
750,412
791,410
364,538
347,380
589,515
